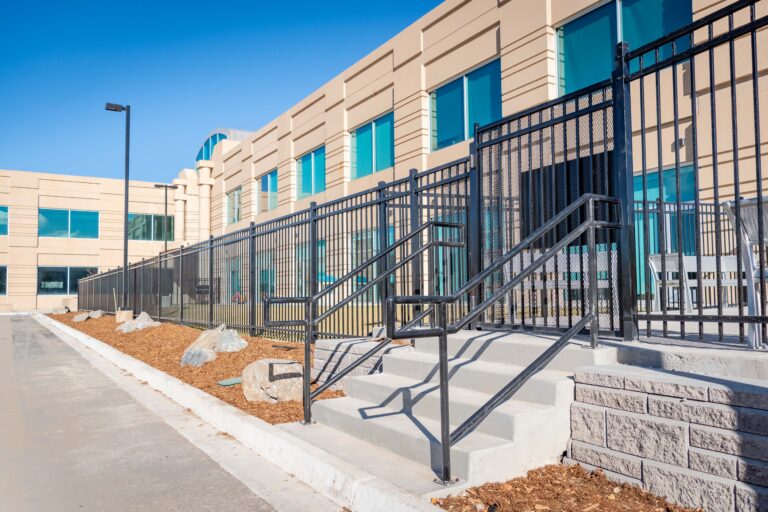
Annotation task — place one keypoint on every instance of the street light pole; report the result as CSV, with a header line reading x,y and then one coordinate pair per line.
x,y
165,217
114,107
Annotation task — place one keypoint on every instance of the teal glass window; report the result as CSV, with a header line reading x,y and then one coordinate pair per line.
x,y
458,105
311,172
83,224
206,150
268,187
373,146
148,227
3,280
61,280
233,205
3,220
587,44
484,95
53,223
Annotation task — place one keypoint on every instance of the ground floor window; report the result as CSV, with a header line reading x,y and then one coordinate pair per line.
x,y
61,280
3,280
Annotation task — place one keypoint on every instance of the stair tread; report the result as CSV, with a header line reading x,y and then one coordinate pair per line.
x,y
457,394
405,424
479,364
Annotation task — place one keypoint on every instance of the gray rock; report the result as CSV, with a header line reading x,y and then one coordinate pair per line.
x,y
82,317
654,438
588,424
143,321
273,380
96,314
204,348
702,413
688,488
613,398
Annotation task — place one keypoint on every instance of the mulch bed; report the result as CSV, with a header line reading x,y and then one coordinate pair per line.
x,y
162,348
557,488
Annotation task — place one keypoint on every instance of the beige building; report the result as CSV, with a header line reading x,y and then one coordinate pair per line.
x,y
411,103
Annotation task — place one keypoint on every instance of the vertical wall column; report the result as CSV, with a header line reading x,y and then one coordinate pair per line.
x,y
179,213
205,183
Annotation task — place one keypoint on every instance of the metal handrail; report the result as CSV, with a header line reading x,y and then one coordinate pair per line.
x,y
440,303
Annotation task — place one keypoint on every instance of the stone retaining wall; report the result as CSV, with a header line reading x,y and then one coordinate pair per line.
x,y
334,355
699,441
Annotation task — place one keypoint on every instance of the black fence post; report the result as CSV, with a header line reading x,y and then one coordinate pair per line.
x,y
415,214
181,284
210,281
310,313
474,229
252,279
622,142
159,285
383,263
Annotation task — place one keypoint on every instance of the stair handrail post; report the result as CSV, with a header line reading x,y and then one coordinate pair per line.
x,y
445,424
159,285
593,287
310,313
474,220
383,231
622,125
252,279
415,221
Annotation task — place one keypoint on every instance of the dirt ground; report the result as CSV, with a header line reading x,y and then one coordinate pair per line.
x,y
162,348
558,488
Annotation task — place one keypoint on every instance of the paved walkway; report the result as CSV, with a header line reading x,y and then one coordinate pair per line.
x,y
73,438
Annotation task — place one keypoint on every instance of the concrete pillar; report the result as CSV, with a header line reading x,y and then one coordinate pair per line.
x,y
205,183
180,214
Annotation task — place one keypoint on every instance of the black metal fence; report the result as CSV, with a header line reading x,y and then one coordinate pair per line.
x,y
677,135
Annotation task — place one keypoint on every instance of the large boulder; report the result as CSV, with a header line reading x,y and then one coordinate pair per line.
x,y
273,380
96,314
204,348
82,317
143,321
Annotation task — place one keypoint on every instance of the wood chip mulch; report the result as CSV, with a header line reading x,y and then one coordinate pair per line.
x,y
557,488
162,348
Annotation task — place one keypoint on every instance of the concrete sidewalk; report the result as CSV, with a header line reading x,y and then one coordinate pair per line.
x,y
73,438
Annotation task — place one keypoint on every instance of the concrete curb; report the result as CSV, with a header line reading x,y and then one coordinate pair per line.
x,y
341,482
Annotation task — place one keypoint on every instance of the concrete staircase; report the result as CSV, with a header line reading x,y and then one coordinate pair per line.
x,y
399,410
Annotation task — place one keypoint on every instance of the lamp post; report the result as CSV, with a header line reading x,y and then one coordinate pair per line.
x,y
165,217
114,107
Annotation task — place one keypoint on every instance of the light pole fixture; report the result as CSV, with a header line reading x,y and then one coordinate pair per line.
x,y
165,217
114,107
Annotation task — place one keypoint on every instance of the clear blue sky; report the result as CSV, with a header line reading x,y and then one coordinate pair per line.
x,y
186,67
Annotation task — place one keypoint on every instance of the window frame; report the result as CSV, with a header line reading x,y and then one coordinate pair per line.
x,y
68,283
260,191
238,207
152,232
352,134
464,78
69,223
300,176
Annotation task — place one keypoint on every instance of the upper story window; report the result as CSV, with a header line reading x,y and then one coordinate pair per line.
x,y
3,220
586,45
67,223
373,146
206,150
311,172
61,280
149,227
457,106
268,191
233,205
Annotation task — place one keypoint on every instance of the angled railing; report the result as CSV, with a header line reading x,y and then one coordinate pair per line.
x,y
439,303
312,319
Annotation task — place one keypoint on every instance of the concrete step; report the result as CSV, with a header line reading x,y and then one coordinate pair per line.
x,y
517,348
422,399
548,387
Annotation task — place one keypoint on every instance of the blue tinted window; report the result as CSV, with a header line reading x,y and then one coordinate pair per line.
x,y
311,172
268,197
385,141
305,175
644,21
163,227
77,273
52,280
586,48
206,150
139,226
484,94
362,151
3,220
319,169
3,280
84,224
54,223
448,123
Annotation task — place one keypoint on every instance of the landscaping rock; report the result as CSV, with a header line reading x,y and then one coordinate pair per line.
x,y
143,321
204,348
272,381
82,317
96,314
